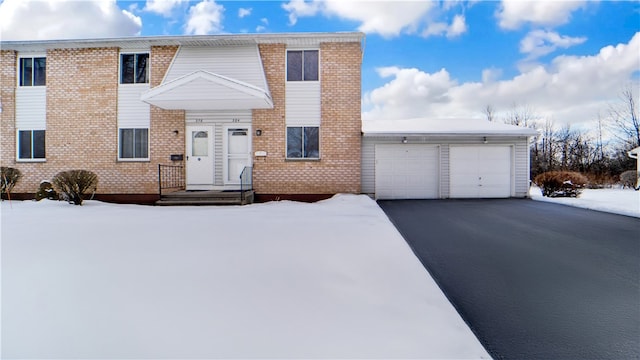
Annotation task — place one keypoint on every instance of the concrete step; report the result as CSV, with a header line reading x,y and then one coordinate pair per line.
x,y
205,198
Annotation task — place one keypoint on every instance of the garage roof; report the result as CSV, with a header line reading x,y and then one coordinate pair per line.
x,y
431,126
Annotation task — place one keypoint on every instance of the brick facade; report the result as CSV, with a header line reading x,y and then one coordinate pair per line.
x,y
82,125
338,170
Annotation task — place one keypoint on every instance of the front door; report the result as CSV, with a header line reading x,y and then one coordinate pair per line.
x,y
237,153
200,169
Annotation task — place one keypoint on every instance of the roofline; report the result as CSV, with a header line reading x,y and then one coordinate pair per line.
x,y
166,40
446,134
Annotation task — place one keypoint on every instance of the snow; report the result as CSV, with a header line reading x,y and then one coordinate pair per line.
x,y
333,279
442,127
614,200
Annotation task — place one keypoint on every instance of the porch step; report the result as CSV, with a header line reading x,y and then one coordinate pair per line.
x,y
185,198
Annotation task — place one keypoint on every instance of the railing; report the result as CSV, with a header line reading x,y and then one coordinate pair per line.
x,y
170,177
246,182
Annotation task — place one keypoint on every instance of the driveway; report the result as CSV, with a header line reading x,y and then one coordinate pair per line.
x,y
533,280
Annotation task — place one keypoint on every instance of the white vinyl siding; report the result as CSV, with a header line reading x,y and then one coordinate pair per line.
x,y
132,112
236,62
303,103
221,116
134,115
31,108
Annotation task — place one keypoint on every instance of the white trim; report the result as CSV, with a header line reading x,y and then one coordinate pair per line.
x,y
173,60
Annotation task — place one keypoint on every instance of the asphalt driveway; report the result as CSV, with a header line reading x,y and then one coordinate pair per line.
x,y
533,280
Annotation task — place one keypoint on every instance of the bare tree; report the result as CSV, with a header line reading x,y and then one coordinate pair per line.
x,y
521,115
624,118
489,111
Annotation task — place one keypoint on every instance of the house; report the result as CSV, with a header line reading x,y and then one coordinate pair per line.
x,y
280,109
428,158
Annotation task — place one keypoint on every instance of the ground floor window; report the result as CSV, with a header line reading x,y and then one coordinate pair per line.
x,y
303,142
134,144
31,144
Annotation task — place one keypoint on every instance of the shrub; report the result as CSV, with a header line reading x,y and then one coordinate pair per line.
x,y
629,179
46,191
73,184
8,179
561,183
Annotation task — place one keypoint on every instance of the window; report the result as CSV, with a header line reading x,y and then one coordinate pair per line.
x,y
134,68
33,71
302,65
303,142
30,144
134,144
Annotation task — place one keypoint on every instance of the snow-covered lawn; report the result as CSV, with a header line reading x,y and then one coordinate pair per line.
x,y
615,200
332,279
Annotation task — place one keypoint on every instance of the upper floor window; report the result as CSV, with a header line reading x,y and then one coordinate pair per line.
x,y
33,71
134,68
302,65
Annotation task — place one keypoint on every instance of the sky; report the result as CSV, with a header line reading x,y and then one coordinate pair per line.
x,y
565,61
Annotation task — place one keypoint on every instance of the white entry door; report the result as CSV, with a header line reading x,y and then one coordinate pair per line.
x,y
200,169
237,153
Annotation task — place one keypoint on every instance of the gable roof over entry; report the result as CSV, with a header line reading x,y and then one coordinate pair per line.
x,y
203,90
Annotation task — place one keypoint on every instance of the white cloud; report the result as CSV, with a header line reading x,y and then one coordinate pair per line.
x,y
163,7
260,28
242,12
65,19
542,42
265,21
300,8
572,89
458,26
514,13
205,18
387,18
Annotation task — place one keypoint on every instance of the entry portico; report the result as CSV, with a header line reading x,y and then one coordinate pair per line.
x,y
218,89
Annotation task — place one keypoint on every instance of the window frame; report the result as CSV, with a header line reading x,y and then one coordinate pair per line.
x,y
19,66
302,150
120,144
32,146
135,57
303,50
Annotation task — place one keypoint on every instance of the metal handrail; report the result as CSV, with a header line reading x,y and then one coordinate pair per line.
x,y
170,177
246,181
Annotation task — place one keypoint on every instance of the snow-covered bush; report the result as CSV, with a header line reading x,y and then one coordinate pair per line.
x,y
629,179
561,183
46,191
73,184
8,179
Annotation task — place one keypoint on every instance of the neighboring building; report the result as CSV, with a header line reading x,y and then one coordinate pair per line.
x,y
635,154
287,105
445,158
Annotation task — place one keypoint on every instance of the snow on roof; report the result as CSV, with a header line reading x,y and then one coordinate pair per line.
x,y
431,126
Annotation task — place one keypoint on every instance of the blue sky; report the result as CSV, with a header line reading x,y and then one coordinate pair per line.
x,y
567,60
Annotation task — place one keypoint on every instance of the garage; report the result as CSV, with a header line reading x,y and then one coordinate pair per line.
x,y
480,171
426,158
405,171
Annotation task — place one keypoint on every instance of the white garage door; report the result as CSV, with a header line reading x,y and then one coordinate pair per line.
x,y
480,171
407,171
